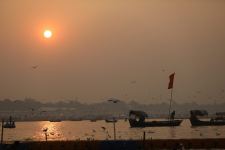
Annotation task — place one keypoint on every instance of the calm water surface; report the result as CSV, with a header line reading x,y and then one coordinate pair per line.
x,y
100,130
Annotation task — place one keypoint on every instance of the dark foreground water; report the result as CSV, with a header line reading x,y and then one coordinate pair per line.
x,y
100,130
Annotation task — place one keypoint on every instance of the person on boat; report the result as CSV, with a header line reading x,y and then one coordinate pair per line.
x,y
172,115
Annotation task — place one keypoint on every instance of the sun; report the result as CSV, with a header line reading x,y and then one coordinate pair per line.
x,y
47,34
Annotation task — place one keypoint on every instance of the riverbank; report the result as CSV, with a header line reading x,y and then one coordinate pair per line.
x,y
215,143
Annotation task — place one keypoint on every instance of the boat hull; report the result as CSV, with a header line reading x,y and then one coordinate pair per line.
x,y
207,123
55,120
169,123
110,120
9,126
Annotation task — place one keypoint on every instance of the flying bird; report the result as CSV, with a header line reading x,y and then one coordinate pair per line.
x,y
133,82
103,128
45,130
150,132
35,67
198,92
114,100
217,133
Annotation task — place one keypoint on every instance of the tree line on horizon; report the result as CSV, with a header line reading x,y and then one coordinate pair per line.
x,y
29,104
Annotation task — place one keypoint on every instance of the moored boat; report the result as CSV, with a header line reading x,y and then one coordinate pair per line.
x,y
55,120
110,120
10,123
137,119
219,120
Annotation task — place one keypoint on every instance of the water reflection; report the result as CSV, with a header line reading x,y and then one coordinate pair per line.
x,y
53,130
100,130
172,132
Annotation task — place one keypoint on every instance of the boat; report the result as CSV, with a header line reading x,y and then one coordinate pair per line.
x,y
219,120
113,120
10,123
137,120
55,120
220,116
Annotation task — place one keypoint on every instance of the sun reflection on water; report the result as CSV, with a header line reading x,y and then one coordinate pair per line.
x,y
52,129
100,130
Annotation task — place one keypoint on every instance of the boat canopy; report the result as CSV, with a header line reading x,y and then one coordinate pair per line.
x,y
220,113
199,112
138,113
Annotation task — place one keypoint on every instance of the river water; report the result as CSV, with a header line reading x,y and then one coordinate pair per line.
x,y
100,130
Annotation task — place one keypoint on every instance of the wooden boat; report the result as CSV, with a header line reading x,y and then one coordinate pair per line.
x,y
195,121
110,120
9,124
55,120
137,119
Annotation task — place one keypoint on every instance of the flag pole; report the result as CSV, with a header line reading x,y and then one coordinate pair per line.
x,y
170,86
171,98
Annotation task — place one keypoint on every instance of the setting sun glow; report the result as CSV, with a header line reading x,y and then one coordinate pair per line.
x,y
47,34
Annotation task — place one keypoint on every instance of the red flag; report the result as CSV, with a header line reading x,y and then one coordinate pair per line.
x,y
170,86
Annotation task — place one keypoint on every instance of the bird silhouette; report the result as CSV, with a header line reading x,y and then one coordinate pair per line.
x,y
113,100
35,67
150,132
217,133
133,82
45,130
198,92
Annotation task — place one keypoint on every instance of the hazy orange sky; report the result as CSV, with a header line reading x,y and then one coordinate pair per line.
x,y
99,47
